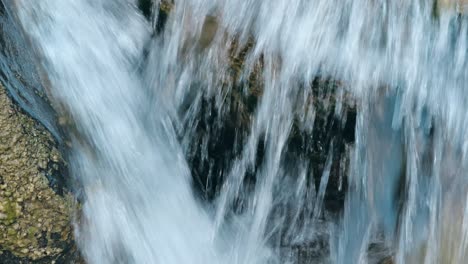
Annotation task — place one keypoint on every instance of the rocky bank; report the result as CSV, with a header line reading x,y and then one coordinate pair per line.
x,y
35,212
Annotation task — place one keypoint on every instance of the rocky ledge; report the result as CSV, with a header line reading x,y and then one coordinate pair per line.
x,y
35,222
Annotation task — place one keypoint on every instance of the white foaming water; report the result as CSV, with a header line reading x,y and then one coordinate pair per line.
x,y
138,204
404,64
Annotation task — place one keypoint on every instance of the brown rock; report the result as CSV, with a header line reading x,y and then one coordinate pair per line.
x,y
20,136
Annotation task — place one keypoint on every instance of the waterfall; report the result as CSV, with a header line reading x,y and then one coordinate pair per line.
x,y
175,167
138,205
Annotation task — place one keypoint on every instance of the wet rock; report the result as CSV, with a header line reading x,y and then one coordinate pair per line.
x,y
458,6
332,132
209,29
31,212
221,134
146,7
164,9
387,260
217,136
20,73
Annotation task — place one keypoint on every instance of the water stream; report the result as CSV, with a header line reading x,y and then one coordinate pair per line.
x,y
136,91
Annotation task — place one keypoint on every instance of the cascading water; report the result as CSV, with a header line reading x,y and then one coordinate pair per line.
x,y
138,206
138,93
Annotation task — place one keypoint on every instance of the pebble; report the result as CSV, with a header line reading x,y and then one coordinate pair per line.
x,y
55,158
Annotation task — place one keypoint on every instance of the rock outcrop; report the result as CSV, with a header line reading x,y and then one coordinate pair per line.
x,y
35,222
220,134
35,207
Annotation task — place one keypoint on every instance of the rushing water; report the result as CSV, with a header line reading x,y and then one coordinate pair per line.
x,y
134,90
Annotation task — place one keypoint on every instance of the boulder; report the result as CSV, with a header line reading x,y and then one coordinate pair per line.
x,y
35,210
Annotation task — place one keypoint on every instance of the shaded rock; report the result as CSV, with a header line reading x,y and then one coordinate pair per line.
x,y
209,29
387,260
333,132
164,9
217,136
221,134
146,7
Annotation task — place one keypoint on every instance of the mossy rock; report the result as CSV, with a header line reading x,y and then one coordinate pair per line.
x,y
35,222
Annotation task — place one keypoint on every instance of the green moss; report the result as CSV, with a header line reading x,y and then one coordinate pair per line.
x,y
11,232
32,231
10,211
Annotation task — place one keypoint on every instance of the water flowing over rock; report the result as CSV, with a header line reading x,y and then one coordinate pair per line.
x,y
19,72
35,203
261,131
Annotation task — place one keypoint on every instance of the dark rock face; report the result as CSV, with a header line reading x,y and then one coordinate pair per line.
x,y
332,133
162,15
222,134
146,7
218,137
71,257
